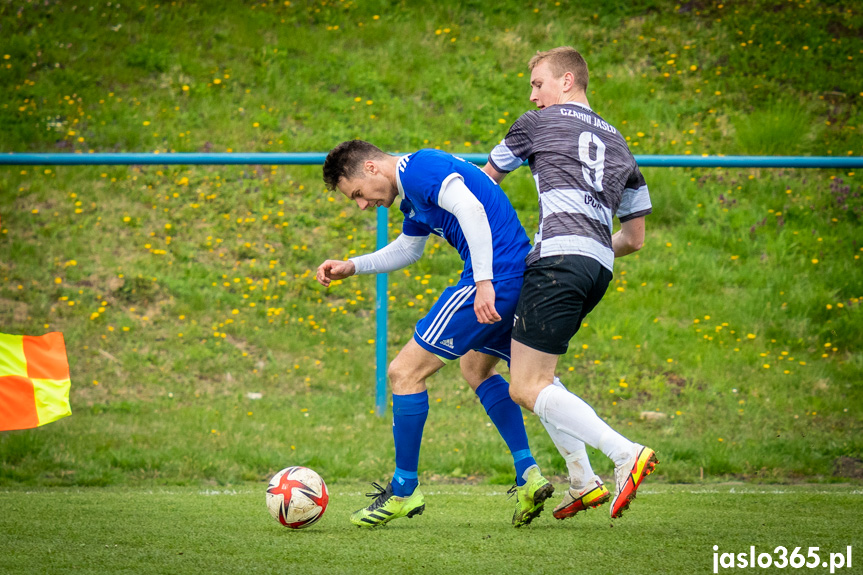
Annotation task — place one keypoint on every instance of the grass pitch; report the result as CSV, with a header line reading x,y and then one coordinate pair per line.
x,y
465,529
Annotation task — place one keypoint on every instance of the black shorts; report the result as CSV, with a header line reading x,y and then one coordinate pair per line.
x,y
557,294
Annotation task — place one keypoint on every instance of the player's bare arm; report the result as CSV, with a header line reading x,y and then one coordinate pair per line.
x,y
629,238
334,270
492,173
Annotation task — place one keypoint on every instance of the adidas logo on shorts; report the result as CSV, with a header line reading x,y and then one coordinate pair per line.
x,y
447,343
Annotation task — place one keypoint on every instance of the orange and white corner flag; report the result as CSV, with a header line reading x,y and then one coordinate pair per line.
x,y
34,380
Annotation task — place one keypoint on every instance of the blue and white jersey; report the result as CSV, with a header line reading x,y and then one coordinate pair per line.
x,y
421,176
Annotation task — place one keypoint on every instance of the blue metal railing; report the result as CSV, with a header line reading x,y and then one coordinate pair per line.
x,y
311,159
314,158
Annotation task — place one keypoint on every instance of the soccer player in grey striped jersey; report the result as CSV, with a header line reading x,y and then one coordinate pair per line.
x,y
585,175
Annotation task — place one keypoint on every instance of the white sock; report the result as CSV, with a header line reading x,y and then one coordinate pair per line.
x,y
568,413
580,472
573,452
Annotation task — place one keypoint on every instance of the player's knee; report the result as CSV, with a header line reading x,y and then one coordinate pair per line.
x,y
395,372
475,375
520,396
402,377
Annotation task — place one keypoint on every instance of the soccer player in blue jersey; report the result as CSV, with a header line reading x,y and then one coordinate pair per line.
x,y
585,175
472,320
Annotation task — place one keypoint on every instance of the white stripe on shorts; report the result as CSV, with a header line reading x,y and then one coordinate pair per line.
x,y
500,354
445,314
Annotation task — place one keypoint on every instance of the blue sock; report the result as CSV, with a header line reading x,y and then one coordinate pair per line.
x,y
409,418
506,415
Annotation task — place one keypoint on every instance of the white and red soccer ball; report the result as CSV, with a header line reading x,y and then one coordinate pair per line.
x,y
297,497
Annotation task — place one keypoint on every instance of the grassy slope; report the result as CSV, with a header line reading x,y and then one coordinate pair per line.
x,y
181,289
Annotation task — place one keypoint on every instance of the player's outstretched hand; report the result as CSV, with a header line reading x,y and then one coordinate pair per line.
x,y
334,270
483,303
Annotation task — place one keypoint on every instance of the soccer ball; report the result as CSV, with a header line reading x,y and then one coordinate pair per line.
x,y
297,497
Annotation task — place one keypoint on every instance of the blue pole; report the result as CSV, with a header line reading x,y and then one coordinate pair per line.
x,y
727,161
300,159
381,317
314,158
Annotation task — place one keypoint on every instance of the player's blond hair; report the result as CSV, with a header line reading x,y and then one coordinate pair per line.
x,y
562,60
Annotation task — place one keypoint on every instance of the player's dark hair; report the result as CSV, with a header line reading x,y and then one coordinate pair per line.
x,y
346,161
562,60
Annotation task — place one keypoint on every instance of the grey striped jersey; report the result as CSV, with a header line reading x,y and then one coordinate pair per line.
x,y
584,173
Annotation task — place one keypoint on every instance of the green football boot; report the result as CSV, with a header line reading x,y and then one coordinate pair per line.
x,y
387,507
530,497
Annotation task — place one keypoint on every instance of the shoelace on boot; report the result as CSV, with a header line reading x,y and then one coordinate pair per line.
x,y
380,496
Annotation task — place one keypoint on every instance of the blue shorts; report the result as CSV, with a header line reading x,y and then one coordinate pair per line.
x,y
451,329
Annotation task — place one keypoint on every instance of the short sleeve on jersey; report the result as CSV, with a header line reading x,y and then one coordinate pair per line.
x,y
517,146
635,201
422,175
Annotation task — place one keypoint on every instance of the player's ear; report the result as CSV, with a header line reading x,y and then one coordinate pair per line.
x,y
568,81
370,168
